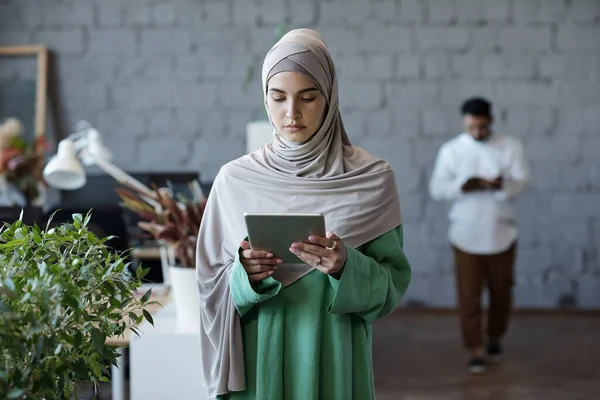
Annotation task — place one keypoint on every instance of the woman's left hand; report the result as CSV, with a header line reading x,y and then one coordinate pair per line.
x,y
327,254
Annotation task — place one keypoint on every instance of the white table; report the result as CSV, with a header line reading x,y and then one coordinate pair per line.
x,y
119,388
165,361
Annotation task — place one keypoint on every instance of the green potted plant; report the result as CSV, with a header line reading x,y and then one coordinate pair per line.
x,y
63,292
174,221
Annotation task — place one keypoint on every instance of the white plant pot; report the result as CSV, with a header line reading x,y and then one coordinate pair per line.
x,y
258,134
184,294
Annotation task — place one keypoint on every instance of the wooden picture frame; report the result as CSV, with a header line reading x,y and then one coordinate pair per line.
x,y
41,54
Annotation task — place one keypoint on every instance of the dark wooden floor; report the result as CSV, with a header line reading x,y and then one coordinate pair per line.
x,y
548,357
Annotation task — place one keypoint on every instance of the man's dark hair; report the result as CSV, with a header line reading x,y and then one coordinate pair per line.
x,y
477,106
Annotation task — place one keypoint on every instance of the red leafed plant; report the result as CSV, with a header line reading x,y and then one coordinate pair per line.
x,y
171,219
21,163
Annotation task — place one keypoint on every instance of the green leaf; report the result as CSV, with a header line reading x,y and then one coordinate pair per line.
x,y
125,302
87,219
12,243
43,268
148,317
9,284
77,339
37,238
95,367
146,296
144,273
4,307
26,297
39,348
138,271
77,217
122,286
97,340
15,393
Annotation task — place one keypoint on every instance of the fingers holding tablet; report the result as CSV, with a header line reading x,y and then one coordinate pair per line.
x,y
327,254
258,264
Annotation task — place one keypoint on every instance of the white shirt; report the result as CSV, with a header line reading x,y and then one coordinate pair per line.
x,y
481,222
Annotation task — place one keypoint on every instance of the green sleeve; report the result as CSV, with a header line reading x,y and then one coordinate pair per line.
x,y
374,279
245,294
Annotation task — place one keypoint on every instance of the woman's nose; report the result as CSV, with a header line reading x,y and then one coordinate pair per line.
x,y
292,111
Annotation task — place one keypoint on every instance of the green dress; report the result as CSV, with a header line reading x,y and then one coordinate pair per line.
x,y
312,339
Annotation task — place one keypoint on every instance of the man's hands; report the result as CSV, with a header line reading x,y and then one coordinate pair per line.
x,y
477,184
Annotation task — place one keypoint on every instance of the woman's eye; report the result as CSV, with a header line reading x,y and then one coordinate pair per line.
x,y
278,99
308,99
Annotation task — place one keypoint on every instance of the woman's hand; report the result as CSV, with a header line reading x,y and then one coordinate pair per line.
x,y
258,264
327,254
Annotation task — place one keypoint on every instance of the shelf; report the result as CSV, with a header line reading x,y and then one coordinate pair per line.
x,y
146,253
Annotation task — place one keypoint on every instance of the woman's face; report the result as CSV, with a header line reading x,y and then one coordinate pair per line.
x,y
296,106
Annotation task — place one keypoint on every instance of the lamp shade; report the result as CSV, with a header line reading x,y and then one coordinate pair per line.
x,y
64,171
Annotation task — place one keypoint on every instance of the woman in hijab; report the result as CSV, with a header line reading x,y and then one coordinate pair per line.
x,y
299,331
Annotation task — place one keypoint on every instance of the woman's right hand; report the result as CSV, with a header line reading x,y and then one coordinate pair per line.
x,y
258,264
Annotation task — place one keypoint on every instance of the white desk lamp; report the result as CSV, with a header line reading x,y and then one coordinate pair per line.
x,y
64,171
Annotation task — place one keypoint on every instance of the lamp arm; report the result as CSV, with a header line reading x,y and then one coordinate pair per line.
x,y
123,177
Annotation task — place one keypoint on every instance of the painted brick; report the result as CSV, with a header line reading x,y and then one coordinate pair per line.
x,y
553,149
412,95
139,69
167,153
574,120
411,11
577,205
358,66
166,41
303,13
343,13
536,39
520,67
360,94
385,11
378,38
443,122
583,11
578,37
571,66
62,41
112,13
529,121
527,94
58,14
407,67
442,38
436,66
113,41
539,11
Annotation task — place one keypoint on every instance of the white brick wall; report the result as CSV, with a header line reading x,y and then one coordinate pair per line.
x,y
163,81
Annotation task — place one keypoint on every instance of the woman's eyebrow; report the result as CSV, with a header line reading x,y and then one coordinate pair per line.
x,y
311,89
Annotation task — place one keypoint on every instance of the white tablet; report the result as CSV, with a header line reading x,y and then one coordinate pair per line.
x,y
277,232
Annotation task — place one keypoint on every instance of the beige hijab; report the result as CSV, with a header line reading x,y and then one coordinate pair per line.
x,y
354,190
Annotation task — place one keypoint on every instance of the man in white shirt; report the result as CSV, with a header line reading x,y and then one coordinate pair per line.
x,y
481,173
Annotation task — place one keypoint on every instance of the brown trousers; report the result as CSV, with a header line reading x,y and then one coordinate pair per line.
x,y
473,271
